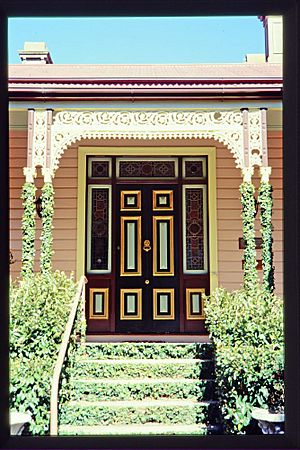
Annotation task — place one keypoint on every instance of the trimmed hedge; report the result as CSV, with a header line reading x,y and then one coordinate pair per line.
x,y
39,309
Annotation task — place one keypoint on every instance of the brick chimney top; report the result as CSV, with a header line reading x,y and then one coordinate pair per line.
x,y
35,53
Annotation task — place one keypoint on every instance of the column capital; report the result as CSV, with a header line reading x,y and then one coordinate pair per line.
x,y
247,174
265,173
48,174
30,174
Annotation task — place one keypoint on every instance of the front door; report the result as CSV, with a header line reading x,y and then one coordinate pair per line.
x,y
147,259
146,244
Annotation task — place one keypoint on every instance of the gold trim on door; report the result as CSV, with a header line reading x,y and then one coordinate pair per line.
x,y
136,206
136,256
161,315
165,265
137,293
188,300
92,313
161,207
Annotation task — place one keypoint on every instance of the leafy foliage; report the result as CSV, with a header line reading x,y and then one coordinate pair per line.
x,y
39,309
46,235
266,203
248,216
247,332
82,414
147,350
28,229
91,390
95,369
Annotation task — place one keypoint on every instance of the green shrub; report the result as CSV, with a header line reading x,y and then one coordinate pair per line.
x,y
39,310
247,331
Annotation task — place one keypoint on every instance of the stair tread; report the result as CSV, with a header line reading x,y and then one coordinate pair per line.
x,y
143,361
149,428
140,403
140,380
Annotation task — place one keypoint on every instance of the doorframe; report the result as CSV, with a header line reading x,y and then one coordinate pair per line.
x,y
209,151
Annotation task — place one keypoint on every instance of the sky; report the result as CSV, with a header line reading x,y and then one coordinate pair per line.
x,y
141,40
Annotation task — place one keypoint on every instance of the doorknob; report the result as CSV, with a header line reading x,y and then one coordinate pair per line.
x,y
147,245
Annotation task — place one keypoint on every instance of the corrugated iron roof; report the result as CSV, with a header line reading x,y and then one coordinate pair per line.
x,y
145,71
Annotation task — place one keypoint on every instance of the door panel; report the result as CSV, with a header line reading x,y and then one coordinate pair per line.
x,y
147,297
130,246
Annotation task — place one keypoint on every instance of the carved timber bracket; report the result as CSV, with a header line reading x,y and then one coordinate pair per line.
x,y
226,126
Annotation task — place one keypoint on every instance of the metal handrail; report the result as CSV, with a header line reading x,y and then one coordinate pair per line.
x,y
80,293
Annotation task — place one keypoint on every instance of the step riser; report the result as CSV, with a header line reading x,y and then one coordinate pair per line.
x,y
81,415
203,390
90,369
148,351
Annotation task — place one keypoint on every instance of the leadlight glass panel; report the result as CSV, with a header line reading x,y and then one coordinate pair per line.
x,y
99,168
147,168
194,230
99,229
194,168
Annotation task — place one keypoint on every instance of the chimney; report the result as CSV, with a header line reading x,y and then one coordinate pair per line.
x,y
273,38
35,53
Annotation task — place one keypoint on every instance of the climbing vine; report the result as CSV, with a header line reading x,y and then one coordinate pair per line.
x,y
248,216
266,203
46,234
28,229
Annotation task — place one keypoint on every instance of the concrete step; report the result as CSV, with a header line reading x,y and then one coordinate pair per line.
x,y
141,368
148,350
165,411
136,429
93,389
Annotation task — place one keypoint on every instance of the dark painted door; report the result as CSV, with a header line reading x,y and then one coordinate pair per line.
x,y
147,284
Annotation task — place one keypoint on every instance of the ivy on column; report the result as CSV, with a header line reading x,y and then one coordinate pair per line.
x,y
28,229
265,201
248,216
46,234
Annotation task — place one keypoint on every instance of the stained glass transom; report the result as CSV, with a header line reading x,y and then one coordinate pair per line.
x,y
147,169
100,169
194,233
99,231
194,169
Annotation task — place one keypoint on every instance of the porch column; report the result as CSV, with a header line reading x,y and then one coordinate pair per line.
x,y
28,196
265,201
247,191
47,200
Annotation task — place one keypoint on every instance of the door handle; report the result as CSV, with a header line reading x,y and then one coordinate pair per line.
x,y
147,245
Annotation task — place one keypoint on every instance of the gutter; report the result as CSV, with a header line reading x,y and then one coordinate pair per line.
x,y
71,93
